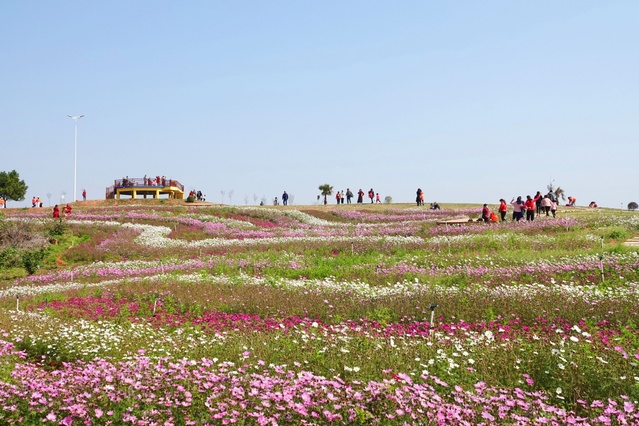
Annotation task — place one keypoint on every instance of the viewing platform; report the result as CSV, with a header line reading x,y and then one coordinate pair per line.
x,y
145,187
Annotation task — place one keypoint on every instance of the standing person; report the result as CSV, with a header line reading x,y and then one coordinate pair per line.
x,y
360,196
275,201
285,199
371,194
553,207
67,209
377,198
503,208
56,211
341,194
530,208
418,198
538,198
84,195
349,195
338,197
33,202
517,208
545,204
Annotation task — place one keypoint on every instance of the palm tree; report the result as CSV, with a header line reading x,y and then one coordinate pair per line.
x,y
326,190
557,192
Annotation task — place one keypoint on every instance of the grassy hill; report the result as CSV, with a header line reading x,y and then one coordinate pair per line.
x,y
155,311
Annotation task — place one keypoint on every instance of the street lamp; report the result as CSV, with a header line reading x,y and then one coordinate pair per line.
x,y
75,118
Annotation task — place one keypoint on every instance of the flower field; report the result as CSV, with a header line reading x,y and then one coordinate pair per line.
x,y
169,314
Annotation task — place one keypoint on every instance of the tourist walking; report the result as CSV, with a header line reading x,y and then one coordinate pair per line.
x,y
349,195
545,204
371,194
360,196
285,199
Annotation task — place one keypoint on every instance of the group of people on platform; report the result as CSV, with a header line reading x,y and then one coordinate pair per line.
x,y
146,181
66,210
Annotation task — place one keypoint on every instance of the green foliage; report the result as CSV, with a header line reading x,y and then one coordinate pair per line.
x,y
190,199
325,190
9,258
381,314
632,206
32,259
618,234
59,227
11,187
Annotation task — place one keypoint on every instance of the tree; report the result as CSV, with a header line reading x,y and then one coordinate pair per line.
x,y
556,192
388,199
11,187
326,191
632,206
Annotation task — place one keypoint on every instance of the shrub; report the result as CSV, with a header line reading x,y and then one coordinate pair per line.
x,y
632,206
59,227
31,260
190,199
9,257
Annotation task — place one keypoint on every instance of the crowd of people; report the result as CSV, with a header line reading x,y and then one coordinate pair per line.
x,y
525,209
340,196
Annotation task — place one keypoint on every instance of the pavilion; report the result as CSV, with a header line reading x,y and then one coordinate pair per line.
x,y
146,187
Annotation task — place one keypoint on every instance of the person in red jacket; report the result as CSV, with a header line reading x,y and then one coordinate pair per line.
x,y
485,213
530,207
503,207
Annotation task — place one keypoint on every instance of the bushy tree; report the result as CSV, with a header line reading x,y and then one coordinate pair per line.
x,y
632,206
326,190
388,199
11,187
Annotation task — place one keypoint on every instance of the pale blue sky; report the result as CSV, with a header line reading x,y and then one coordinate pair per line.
x,y
470,100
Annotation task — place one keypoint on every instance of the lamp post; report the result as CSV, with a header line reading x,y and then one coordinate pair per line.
x,y
75,118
